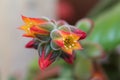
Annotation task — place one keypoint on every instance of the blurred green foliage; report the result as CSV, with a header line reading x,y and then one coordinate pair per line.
x,y
107,29
106,33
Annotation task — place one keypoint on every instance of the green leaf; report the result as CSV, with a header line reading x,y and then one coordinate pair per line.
x,y
92,50
107,29
83,68
33,69
85,25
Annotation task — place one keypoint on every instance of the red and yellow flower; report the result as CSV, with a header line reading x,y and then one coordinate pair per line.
x,y
35,26
65,39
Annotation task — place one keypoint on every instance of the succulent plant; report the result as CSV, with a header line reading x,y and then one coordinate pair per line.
x,y
53,39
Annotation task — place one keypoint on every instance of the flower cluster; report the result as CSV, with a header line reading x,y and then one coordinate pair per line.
x,y
52,39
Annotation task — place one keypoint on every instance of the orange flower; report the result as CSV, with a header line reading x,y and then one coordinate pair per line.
x,y
35,26
66,40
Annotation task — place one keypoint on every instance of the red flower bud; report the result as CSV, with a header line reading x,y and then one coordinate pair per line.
x,y
68,58
46,59
30,44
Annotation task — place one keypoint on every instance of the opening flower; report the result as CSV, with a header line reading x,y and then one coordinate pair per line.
x,y
63,38
35,26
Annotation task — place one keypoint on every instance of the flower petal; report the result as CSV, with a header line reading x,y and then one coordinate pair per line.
x,y
59,42
68,58
47,56
25,19
83,35
30,44
79,32
45,62
34,20
57,38
64,30
28,35
77,46
27,31
37,30
54,46
25,28
22,27
75,36
67,50
55,34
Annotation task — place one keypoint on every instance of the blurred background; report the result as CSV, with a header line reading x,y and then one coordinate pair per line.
x,y
19,63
